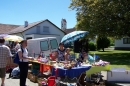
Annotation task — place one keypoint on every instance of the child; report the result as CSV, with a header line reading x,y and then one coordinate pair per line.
x,y
53,55
67,54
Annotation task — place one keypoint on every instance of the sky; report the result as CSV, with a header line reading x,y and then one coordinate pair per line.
x,y
17,11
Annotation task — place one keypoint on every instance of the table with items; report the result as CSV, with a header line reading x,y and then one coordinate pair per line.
x,y
96,69
40,66
71,72
69,69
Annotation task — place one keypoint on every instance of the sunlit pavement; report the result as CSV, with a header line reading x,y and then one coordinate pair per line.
x,y
15,82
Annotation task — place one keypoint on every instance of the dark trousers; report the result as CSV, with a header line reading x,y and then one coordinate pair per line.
x,y
23,72
10,71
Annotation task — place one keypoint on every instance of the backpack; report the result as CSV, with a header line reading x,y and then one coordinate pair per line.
x,y
16,58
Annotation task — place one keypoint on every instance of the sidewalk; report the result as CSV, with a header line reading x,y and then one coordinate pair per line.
x,y
15,82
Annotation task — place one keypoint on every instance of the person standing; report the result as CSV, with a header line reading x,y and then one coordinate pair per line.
x,y
23,64
5,58
60,52
17,46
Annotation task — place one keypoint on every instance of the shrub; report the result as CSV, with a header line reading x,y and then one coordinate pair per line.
x,y
91,46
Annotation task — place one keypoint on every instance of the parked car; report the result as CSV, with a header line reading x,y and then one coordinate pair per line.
x,y
45,45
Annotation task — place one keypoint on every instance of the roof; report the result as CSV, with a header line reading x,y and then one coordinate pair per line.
x,y
69,30
30,25
5,28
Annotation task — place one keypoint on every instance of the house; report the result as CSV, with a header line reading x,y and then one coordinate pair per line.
x,y
5,28
44,28
122,44
69,30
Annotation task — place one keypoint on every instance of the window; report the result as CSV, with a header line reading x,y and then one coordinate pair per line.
x,y
62,25
54,44
44,45
29,38
126,40
38,29
46,29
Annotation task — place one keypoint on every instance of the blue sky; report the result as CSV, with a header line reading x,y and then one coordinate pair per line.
x,y
18,11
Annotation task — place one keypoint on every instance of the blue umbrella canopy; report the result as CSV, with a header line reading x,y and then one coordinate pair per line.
x,y
73,36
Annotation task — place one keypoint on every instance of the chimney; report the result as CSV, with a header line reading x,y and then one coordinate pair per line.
x,y
63,24
26,24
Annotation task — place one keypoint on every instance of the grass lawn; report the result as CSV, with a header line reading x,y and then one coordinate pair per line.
x,y
117,58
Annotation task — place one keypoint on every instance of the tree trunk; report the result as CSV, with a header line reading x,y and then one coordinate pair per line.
x,y
103,49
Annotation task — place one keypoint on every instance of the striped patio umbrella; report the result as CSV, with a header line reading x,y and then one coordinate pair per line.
x,y
13,38
73,36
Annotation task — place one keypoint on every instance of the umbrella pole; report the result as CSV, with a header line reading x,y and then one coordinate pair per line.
x,y
73,50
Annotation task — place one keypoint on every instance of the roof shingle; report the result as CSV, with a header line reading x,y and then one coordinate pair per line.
x,y
5,28
69,30
22,28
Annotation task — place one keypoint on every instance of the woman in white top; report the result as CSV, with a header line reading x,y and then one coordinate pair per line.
x,y
23,64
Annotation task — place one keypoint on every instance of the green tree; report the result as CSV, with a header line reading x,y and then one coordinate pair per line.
x,y
103,17
112,41
91,46
103,42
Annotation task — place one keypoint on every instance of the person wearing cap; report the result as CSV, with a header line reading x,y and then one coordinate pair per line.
x,y
5,58
23,64
61,52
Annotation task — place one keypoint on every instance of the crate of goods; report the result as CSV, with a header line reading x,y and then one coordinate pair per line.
x,y
33,78
40,75
119,75
29,75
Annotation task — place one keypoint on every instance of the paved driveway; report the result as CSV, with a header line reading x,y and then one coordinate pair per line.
x,y
15,82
